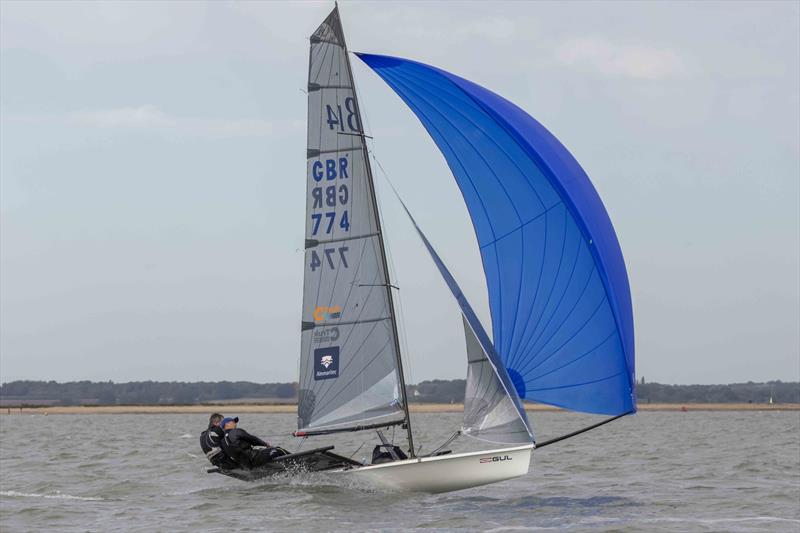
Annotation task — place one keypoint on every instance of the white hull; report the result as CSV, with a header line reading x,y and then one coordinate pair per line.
x,y
447,472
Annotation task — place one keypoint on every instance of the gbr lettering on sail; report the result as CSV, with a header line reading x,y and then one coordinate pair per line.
x,y
330,193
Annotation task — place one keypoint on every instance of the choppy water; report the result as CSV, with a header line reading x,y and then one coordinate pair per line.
x,y
695,471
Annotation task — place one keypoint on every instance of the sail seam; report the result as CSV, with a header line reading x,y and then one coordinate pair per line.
x,y
526,344
530,346
532,341
521,226
513,355
576,385
527,367
581,356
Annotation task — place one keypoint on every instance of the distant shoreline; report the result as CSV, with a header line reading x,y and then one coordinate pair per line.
x,y
292,408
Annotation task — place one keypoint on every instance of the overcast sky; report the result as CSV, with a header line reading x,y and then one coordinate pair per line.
x,y
152,177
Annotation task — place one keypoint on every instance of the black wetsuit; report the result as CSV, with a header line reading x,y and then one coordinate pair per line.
x,y
210,441
238,445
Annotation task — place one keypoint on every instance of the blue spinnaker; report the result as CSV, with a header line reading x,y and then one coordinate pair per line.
x,y
559,296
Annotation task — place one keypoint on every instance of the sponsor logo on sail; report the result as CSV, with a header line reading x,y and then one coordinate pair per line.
x,y
322,335
327,312
326,363
495,459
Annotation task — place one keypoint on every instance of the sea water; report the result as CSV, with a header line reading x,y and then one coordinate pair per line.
x,y
656,471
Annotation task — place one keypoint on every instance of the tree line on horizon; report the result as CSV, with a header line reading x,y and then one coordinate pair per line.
x,y
434,391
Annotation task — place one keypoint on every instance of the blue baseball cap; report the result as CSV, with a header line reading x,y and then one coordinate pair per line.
x,y
226,420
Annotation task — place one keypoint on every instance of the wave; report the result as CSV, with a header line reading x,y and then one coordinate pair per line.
x,y
57,496
712,521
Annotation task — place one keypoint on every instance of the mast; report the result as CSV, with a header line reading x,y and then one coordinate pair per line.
x,y
389,295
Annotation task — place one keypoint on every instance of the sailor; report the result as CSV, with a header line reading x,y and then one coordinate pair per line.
x,y
210,443
238,445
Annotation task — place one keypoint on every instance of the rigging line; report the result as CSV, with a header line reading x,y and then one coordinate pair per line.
x,y
390,298
399,299
362,445
538,445
453,437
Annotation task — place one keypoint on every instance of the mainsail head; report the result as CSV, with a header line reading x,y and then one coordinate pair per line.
x,y
348,361
561,310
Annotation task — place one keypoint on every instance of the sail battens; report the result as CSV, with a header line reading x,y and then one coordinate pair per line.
x,y
318,87
347,429
548,248
349,373
310,243
317,40
363,321
314,153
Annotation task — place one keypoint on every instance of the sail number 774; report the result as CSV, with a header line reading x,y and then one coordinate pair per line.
x,y
328,254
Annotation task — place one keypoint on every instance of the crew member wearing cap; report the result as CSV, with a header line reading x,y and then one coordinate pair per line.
x,y
210,441
238,445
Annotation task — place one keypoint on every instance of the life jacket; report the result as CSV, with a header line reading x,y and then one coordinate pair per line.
x,y
210,442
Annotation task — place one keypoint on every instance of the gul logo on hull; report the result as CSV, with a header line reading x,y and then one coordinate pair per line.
x,y
326,363
495,459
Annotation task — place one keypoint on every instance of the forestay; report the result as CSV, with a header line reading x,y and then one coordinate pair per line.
x,y
348,361
562,320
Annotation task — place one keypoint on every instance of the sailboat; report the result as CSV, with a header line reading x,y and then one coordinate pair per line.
x,y
559,297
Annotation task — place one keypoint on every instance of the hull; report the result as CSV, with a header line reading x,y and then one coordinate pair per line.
x,y
447,472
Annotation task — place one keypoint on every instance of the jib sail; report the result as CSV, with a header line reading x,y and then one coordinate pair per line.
x,y
350,375
493,410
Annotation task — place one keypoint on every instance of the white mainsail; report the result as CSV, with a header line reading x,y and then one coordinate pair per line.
x,y
350,375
